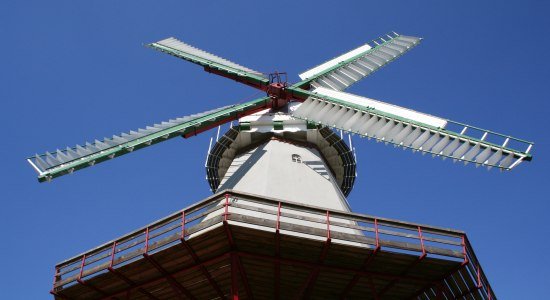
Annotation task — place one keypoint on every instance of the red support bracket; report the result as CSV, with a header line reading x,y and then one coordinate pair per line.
x,y
421,243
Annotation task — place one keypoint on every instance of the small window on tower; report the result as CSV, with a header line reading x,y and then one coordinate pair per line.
x,y
296,158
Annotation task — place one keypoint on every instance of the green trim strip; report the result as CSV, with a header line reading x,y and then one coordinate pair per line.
x,y
153,138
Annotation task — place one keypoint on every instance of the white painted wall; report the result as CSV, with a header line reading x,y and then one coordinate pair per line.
x,y
269,170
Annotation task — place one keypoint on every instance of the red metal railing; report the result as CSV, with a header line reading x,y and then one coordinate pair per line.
x,y
284,218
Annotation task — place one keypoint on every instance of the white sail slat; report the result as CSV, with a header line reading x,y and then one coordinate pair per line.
x,y
480,159
420,140
472,153
342,70
176,44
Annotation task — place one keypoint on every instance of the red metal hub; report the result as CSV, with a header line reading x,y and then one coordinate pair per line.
x,y
277,90
279,96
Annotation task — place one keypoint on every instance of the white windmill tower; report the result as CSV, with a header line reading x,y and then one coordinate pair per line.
x,y
288,148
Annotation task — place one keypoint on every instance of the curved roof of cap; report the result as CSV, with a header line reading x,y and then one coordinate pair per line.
x,y
336,154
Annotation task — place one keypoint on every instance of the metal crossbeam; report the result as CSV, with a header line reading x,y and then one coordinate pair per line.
x,y
178,288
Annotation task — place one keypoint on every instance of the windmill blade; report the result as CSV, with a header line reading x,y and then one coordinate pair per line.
x,y
211,62
341,72
411,129
61,162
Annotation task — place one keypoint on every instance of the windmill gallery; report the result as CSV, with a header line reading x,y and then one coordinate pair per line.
x,y
278,224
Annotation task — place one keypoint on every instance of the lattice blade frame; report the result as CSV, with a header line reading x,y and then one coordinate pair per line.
x,y
210,62
337,111
341,72
61,162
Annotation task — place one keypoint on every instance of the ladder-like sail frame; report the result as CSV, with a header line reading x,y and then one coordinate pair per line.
x,y
211,62
341,72
342,111
61,162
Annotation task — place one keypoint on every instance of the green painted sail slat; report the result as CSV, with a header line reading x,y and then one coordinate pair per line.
x,y
49,166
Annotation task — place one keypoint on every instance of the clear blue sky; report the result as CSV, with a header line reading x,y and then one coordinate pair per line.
x,y
72,71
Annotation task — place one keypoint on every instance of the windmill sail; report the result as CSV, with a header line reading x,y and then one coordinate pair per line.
x,y
341,72
210,62
61,162
410,129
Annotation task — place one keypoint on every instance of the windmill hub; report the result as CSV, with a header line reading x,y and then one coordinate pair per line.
x,y
277,90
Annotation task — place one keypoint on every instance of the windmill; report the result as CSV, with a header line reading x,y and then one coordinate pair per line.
x,y
288,145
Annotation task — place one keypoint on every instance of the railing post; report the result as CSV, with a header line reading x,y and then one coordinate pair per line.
x,y
376,234
183,225
226,213
278,224
111,263
479,285
146,241
421,243
55,278
464,250
82,267
328,225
